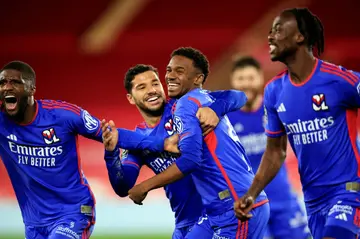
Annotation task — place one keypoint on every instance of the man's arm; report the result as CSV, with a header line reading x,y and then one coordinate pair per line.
x,y
122,173
227,101
272,158
190,144
89,126
271,162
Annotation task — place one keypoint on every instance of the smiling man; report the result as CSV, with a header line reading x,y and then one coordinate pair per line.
x,y
314,103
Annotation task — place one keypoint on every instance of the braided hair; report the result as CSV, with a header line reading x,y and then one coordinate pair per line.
x,y
310,27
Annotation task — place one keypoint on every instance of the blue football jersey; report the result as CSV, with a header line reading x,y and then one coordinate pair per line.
x,y
43,161
319,118
249,126
218,164
184,199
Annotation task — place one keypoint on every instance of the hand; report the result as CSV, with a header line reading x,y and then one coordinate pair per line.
x,y
208,119
138,194
171,144
243,206
110,136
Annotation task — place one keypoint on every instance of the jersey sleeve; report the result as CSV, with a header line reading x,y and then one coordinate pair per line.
x,y
273,125
190,135
123,171
89,126
350,85
227,101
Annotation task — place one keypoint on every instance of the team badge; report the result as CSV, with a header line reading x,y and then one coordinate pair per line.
x,y
49,136
319,103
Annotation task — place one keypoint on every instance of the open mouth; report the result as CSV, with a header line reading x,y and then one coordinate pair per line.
x,y
272,48
172,86
152,99
10,102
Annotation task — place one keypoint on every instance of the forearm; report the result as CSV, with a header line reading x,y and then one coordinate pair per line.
x,y
135,141
122,177
227,101
270,165
170,175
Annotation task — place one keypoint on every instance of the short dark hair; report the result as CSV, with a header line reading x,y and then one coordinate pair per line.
x,y
245,62
199,59
310,27
134,71
27,72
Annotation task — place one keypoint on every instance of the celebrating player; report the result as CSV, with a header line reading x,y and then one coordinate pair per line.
x,y
214,166
286,218
146,92
315,103
39,148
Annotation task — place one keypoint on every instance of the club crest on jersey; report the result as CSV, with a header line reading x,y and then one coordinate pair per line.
x,y
170,127
124,153
90,122
358,88
178,124
49,136
319,103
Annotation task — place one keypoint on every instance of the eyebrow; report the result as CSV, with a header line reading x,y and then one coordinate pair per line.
x,y
176,67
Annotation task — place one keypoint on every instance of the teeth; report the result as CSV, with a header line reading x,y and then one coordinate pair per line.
x,y
153,98
272,47
172,84
9,96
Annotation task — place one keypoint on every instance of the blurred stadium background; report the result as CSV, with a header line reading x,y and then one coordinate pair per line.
x,y
81,49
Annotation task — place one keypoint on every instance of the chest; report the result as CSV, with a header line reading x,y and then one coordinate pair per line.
x,y
319,103
42,135
159,162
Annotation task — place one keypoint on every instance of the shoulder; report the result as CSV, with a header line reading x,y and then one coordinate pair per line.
x,y
338,73
61,108
276,82
195,98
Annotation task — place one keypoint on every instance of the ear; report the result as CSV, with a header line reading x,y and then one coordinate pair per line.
x,y
300,38
199,79
130,98
32,90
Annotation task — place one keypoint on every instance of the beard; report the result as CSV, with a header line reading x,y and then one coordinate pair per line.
x,y
151,112
20,114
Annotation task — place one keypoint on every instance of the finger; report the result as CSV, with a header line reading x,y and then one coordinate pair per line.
x,y
108,139
207,132
106,133
198,114
105,127
103,123
112,125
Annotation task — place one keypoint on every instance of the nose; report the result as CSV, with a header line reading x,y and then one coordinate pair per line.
x,y
152,90
170,75
270,37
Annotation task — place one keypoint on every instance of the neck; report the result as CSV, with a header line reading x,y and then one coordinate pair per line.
x,y
150,120
253,105
300,65
30,111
